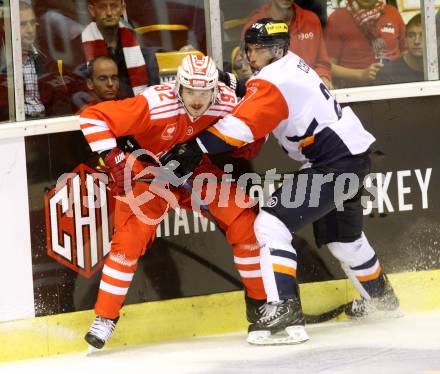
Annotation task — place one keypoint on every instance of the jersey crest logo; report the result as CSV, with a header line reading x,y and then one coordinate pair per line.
x,y
169,131
189,130
79,220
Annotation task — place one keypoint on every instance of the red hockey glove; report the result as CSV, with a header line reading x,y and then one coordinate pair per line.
x,y
114,165
249,151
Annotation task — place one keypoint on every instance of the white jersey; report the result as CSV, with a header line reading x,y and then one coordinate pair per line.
x,y
289,99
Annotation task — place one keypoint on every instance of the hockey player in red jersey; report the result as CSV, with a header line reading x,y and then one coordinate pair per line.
x,y
286,97
159,118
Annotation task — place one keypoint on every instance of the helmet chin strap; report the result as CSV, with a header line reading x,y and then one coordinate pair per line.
x,y
275,58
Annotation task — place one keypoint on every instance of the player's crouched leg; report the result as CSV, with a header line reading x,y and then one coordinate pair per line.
x,y
282,321
240,233
384,305
360,263
128,245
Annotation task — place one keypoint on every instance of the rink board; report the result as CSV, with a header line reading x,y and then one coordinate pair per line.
x,y
193,316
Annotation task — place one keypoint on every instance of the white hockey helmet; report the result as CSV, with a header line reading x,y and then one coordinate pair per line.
x,y
198,73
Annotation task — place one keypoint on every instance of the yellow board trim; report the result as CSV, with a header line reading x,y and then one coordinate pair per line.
x,y
193,316
230,24
169,61
161,27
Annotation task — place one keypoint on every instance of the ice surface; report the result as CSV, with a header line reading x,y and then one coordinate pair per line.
x,y
407,345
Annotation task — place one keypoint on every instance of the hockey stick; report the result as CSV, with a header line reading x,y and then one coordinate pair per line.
x,y
214,179
325,316
168,173
202,205
309,318
202,261
198,200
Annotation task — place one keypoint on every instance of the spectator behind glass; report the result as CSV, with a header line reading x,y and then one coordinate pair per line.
x,y
360,38
103,79
240,64
109,35
319,7
409,67
306,35
45,92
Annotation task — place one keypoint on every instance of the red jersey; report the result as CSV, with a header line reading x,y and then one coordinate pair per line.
x,y
156,119
306,38
349,46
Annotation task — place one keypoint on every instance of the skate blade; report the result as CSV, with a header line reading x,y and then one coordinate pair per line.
x,y
378,315
90,350
292,335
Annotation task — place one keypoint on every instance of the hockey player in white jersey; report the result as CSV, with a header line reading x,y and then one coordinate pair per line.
x,y
286,97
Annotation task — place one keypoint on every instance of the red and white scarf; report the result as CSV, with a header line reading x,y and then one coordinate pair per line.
x,y
94,46
366,20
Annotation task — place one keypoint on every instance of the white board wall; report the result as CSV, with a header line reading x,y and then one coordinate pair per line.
x,y
16,286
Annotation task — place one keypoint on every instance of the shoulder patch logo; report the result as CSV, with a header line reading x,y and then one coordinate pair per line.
x,y
303,66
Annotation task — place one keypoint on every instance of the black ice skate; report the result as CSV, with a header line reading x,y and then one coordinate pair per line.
x,y
254,309
385,306
282,323
100,331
